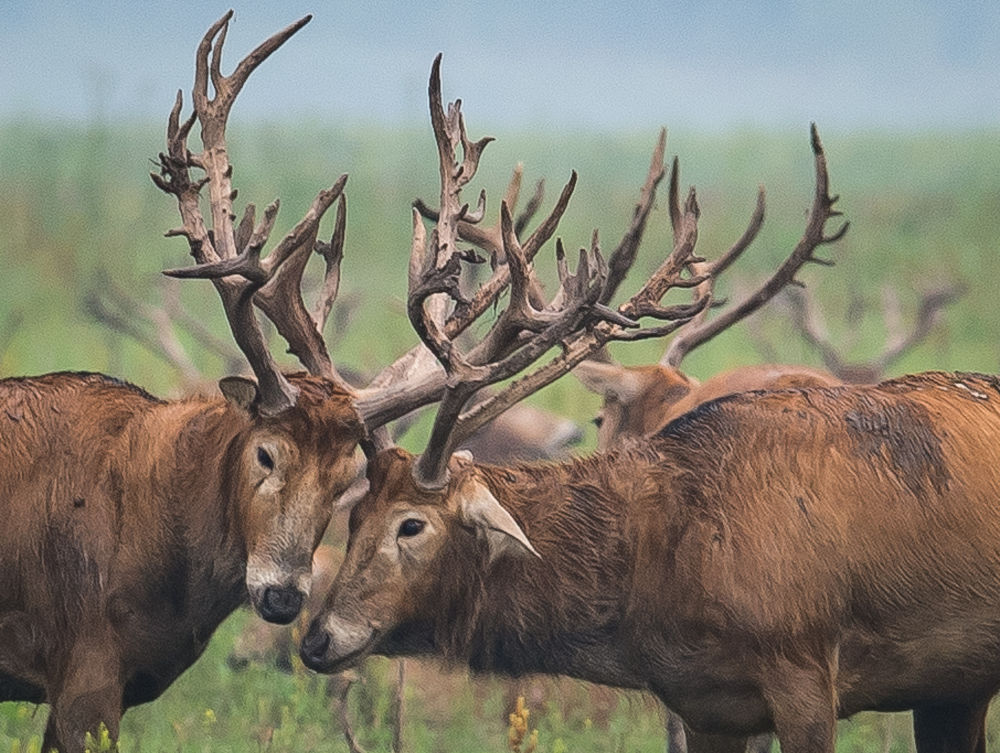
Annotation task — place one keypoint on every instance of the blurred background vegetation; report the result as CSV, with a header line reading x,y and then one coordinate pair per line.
x,y
81,217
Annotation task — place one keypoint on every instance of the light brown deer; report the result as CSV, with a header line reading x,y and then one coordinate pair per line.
x,y
641,400
748,595
135,525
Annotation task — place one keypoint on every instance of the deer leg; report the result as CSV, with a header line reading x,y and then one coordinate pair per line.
x,y
956,728
89,694
802,700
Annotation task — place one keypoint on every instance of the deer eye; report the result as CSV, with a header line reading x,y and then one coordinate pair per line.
x,y
598,421
265,459
411,527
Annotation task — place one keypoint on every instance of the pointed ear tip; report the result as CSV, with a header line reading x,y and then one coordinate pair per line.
x,y
239,390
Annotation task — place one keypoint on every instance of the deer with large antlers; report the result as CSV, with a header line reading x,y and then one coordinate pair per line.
x,y
142,523
734,564
640,400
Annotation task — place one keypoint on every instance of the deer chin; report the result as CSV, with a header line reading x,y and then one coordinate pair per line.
x,y
334,644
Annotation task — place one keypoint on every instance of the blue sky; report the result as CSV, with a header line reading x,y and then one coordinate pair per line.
x,y
525,64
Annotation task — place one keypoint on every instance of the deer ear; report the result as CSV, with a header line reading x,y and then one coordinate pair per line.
x,y
240,391
481,510
609,380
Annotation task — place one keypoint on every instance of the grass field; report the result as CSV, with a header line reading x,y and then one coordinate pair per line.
x,y
78,209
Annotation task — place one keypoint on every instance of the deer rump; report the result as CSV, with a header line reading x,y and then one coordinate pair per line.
x,y
851,529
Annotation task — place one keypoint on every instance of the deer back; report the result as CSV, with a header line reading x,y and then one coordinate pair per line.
x,y
641,400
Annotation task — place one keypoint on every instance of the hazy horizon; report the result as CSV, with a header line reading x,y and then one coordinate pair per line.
x,y
847,65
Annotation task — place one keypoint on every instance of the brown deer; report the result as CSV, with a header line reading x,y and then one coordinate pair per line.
x,y
734,565
748,595
641,400
136,524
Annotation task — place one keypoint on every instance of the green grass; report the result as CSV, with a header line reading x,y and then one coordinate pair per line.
x,y
76,203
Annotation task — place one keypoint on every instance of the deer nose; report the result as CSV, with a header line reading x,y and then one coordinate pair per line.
x,y
314,647
280,605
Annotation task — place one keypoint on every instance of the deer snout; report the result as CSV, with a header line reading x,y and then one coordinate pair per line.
x,y
281,605
277,592
314,648
333,643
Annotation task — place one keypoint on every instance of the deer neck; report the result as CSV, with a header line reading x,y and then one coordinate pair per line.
x,y
564,611
191,464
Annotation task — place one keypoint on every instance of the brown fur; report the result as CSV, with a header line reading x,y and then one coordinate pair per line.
x,y
769,561
130,521
656,395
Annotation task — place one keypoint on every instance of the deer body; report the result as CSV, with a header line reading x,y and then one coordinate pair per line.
x,y
641,400
135,526
767,562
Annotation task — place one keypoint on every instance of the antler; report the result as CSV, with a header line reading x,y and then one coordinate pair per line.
x,y
575,320
416,379
231,255
701,329
898,342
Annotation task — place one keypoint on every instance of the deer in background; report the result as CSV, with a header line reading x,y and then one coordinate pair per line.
x,y
640,400
136,525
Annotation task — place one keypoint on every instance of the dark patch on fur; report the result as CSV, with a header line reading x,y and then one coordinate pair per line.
x,y
904,434
802,506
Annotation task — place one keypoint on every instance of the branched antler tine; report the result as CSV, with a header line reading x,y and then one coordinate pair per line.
x,y
562,266
308,225
247,265
262,52
418,252
262,232
213,114
281,298
227,255
201,67
471,217
623,257
434,281
517,262
333,255
813,237
449,131
215,70
704,274
669,273
488,293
